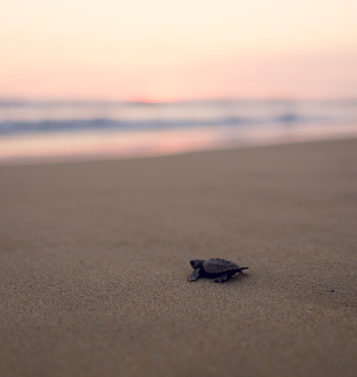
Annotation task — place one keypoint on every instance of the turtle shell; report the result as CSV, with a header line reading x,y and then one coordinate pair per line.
x,y
219,266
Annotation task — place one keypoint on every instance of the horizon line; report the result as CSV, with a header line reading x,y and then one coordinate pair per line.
x,y
54,100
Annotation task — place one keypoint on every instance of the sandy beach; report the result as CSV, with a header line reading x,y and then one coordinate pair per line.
x,y
94,258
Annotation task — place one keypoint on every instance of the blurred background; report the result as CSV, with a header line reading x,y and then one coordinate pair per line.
x,y
91,80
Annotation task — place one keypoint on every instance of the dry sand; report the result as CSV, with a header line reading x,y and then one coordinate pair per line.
x,y
94,260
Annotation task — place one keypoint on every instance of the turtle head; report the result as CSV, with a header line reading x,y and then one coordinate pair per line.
x,y
196,263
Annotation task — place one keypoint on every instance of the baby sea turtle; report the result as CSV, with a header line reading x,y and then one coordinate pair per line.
x,y
215,268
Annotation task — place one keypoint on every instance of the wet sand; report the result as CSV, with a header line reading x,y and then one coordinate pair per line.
x,y
94,258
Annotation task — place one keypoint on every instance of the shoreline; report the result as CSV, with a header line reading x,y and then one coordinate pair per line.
x,y
133,155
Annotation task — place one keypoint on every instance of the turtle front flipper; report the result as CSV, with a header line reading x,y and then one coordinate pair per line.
x,y
222,278
195,275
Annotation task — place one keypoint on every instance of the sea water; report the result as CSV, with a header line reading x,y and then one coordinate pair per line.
x,y
57,131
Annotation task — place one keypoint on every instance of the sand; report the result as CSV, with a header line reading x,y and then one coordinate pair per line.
x,y
94,259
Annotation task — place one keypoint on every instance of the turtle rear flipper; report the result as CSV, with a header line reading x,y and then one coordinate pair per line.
x,y
222,278
195,275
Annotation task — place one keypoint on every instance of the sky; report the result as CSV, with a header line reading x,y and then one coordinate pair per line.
x,y
173,50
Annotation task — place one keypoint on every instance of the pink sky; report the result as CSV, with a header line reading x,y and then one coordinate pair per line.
x,y
169,50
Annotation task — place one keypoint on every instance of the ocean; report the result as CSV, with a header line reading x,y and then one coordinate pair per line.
x,y
69,131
